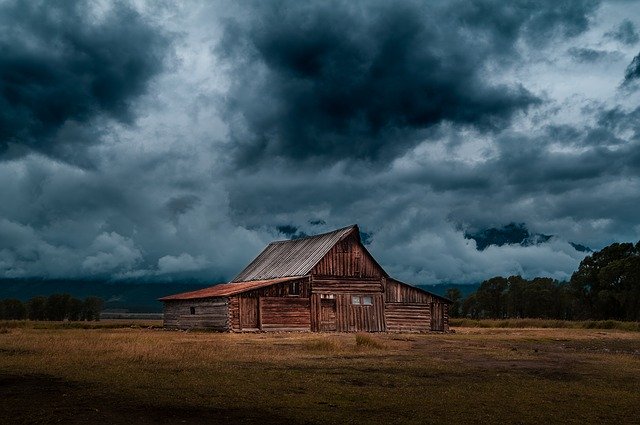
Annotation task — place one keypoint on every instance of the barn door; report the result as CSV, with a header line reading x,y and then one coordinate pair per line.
x,y
248,313
437,317
327,314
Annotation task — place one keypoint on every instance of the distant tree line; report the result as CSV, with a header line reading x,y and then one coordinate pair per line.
x,y
605,286
56,307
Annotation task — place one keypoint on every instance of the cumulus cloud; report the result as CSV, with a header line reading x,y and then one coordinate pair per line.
x,y
182,263
113,253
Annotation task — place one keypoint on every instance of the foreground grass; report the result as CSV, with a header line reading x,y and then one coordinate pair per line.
x,y
477,375
546,323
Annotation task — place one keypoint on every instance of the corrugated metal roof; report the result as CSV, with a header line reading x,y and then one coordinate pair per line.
x,y
225,289
292,258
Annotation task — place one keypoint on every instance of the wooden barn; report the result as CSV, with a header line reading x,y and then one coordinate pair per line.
x,y
322,283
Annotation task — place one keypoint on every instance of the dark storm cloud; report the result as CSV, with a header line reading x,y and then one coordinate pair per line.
x,y
586,55
632,74
477,109
362,80
625,33
618,120
179,205
65,62
536,22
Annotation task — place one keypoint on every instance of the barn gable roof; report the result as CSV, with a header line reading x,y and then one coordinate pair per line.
x,y
293,257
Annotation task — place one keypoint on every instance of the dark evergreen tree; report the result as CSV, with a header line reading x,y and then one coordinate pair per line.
x,y
75,308
14,309
491,298
607,283
470,307
91,308
58,306
37,308
454,295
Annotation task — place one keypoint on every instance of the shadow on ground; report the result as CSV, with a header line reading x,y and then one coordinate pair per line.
x,y
42,399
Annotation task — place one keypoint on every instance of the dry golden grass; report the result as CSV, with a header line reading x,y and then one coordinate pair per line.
x,y
476,375
546,323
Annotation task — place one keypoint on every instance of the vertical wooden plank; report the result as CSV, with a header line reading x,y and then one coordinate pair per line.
x,y
446,317
259,312
315,312
239,312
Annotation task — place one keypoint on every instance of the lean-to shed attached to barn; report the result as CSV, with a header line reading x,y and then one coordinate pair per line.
x,y
322,283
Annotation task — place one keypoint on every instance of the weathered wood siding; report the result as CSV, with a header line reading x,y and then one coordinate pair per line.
x,y
397,292
212,313
280,313
339,314
439,316
360,318
327,315
280,307
335,285
234,313
408,317
410,309
249,315
348,259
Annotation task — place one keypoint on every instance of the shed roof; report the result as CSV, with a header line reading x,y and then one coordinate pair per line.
x,y
292,257
225,289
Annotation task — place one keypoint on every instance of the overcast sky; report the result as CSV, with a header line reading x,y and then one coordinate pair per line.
x,y
155,141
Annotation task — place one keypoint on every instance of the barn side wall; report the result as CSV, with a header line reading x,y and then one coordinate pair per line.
x,y
409,309
332,307
277,307
209,313
408,317
280,314
441,320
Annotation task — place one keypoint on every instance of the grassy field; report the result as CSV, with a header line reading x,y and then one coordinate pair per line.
x,y
546,323
119,374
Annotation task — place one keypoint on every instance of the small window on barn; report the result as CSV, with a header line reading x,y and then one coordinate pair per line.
x,y
192,310
361,300
328,296
294,288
